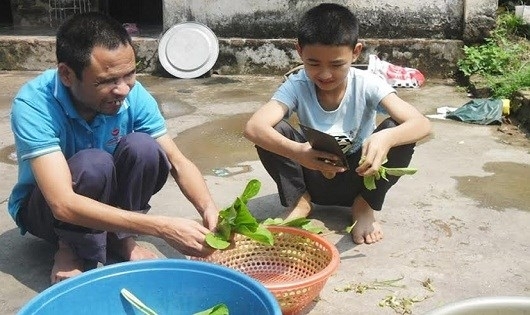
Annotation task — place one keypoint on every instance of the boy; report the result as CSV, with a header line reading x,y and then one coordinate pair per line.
x,y
331,96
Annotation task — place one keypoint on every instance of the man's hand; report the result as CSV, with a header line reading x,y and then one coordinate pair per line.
x,y
210,217
187,236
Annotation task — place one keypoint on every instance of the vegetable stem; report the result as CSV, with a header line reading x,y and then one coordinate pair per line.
x,y
369,180
136,302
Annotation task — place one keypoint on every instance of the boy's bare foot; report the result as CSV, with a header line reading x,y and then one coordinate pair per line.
x,y
301,209
129,250
367,230
66,264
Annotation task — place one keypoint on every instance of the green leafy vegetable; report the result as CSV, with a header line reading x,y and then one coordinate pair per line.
x,y
350,228
219,309
302,223
136,302
369,181
237,218
216,241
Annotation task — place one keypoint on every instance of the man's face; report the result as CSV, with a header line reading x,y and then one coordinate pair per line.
x,y
327,66
105,83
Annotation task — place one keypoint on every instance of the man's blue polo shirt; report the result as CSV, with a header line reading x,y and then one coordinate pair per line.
x,y
44,120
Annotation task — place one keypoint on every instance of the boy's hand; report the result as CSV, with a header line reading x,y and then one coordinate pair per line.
x,y
324,162
329,175
374,151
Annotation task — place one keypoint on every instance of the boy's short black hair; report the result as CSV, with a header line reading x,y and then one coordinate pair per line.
x,y
78,35
328,24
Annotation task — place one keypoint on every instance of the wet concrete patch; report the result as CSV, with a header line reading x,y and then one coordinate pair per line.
x,y
5,104
171,95
502,189
219,80
172,109
8,155
218,147
209,91
10,87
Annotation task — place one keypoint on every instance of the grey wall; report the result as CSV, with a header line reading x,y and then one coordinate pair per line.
x,y
258,37
391,19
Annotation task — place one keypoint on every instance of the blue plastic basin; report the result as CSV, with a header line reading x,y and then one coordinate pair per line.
x,y
168,286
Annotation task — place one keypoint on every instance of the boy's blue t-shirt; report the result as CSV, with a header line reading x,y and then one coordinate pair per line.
x,y
353,120
44,120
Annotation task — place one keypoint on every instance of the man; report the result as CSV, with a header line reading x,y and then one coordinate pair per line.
x,y
93,149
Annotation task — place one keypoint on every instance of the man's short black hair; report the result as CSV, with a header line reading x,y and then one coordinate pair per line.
x,y
328,24
78,35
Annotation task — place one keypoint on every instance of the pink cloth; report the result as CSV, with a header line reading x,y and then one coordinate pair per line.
x,y
395,75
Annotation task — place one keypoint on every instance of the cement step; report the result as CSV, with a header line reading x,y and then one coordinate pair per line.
x,y
435,58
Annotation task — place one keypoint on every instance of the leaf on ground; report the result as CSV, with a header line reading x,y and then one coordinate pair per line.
x,y
427,284
375,285
348,229
400,305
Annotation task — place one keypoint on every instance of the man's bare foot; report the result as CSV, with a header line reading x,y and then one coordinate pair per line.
x,y
66,264
301,209
128,249
366,230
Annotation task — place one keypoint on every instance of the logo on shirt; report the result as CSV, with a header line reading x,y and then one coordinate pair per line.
x,y
114,137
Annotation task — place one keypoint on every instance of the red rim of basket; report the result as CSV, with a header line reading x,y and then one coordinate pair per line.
x,y
322,274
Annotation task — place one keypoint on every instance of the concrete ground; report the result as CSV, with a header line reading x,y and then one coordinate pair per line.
x,y
457,229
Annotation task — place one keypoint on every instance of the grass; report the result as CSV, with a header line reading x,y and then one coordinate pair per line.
x,y
502,60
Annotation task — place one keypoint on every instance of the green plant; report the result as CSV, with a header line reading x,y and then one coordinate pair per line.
x,y
369,180
237,219
502,60
301,223
504,86
508,25
496,54
488,58
218,309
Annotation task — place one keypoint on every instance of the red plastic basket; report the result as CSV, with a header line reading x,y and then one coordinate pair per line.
x,y
294,269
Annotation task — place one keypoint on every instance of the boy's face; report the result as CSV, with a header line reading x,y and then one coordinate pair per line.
x,y
327,66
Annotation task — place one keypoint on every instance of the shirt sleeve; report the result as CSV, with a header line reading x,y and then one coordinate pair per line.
x,y
288,93
376,90
34,129
147,116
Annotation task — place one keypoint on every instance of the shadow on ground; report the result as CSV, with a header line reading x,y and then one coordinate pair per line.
x,y
29,260
334,219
